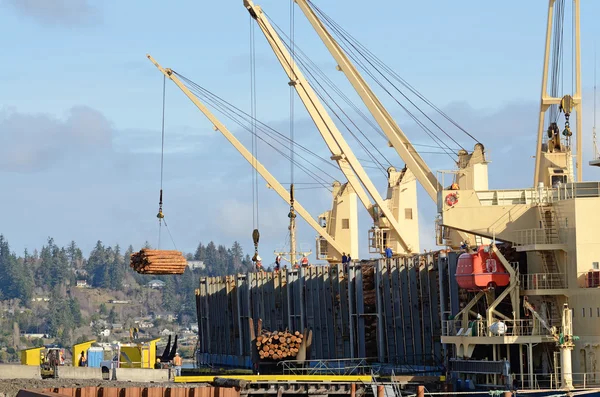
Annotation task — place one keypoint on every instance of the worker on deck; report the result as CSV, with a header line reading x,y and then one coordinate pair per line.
x,y
259,266
177,364
157,364
277,262
304,261
82,360
296,265
344,258
388,253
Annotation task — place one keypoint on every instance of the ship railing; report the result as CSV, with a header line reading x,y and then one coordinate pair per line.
x,y
578,190
537,281
540,195
345,366
589,279
552,381
479,328
425,364
536,236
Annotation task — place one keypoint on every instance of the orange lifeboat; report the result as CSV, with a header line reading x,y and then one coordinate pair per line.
x,y
481,271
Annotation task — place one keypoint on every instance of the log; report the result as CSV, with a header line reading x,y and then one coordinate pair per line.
x,y
158,262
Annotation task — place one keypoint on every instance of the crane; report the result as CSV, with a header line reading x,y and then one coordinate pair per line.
x,y
473,167
555,156
339,148
396,136
270,179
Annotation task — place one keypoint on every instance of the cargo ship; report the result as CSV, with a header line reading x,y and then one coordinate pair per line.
x,y
509,301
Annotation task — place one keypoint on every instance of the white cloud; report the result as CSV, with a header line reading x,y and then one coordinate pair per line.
x,y
57,12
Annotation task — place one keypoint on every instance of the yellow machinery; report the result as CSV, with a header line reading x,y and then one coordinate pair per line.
x,y
138,355
31,356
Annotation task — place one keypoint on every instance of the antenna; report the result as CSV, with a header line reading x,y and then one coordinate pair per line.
x,y
594,128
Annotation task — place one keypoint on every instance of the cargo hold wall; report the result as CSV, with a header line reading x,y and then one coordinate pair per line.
x,y
384,310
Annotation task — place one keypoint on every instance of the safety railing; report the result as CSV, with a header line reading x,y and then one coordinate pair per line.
x,y
551,381
578,190
349,366
589,279
536,236
537,281
528,327
539,195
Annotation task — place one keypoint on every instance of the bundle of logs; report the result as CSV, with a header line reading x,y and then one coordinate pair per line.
x,y
370,306
149,261
278,345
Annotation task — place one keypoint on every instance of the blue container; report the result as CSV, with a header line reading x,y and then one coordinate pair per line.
x,y
95,355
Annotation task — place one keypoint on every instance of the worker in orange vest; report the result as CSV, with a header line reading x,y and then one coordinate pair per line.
x,y
304,261
177,361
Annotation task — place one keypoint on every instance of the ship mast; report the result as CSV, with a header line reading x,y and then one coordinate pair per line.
x,y
596,159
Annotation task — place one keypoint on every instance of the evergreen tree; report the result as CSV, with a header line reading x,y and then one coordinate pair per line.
x,y
97,266
211,259
74,256
200,254
169,295
237,257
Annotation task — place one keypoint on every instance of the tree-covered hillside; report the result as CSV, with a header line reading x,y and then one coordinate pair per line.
x,y
66,296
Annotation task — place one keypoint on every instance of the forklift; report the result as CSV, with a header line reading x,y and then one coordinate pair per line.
x,y
51,358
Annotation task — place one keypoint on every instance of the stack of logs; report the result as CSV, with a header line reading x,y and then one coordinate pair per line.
x,y
149,261
370,306
278,345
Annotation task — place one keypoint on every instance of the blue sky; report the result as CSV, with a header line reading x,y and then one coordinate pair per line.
x,y
80,108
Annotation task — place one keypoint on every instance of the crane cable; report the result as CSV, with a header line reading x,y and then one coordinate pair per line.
x,y
160,215
255,233
373,61
241,118
313,73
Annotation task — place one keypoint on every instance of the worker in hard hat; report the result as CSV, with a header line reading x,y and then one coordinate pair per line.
x,y
304,261
177,361
259,266
157,364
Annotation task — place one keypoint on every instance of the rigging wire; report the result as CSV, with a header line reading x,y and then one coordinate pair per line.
x,y
253,126
351,52
241,118
557,74
220,107
272,133
162,153
160,215
374,60
313,71
292,94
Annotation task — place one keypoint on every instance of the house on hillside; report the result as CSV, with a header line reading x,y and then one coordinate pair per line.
x,y
82,284
170,317
193,265
156,284
105,332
